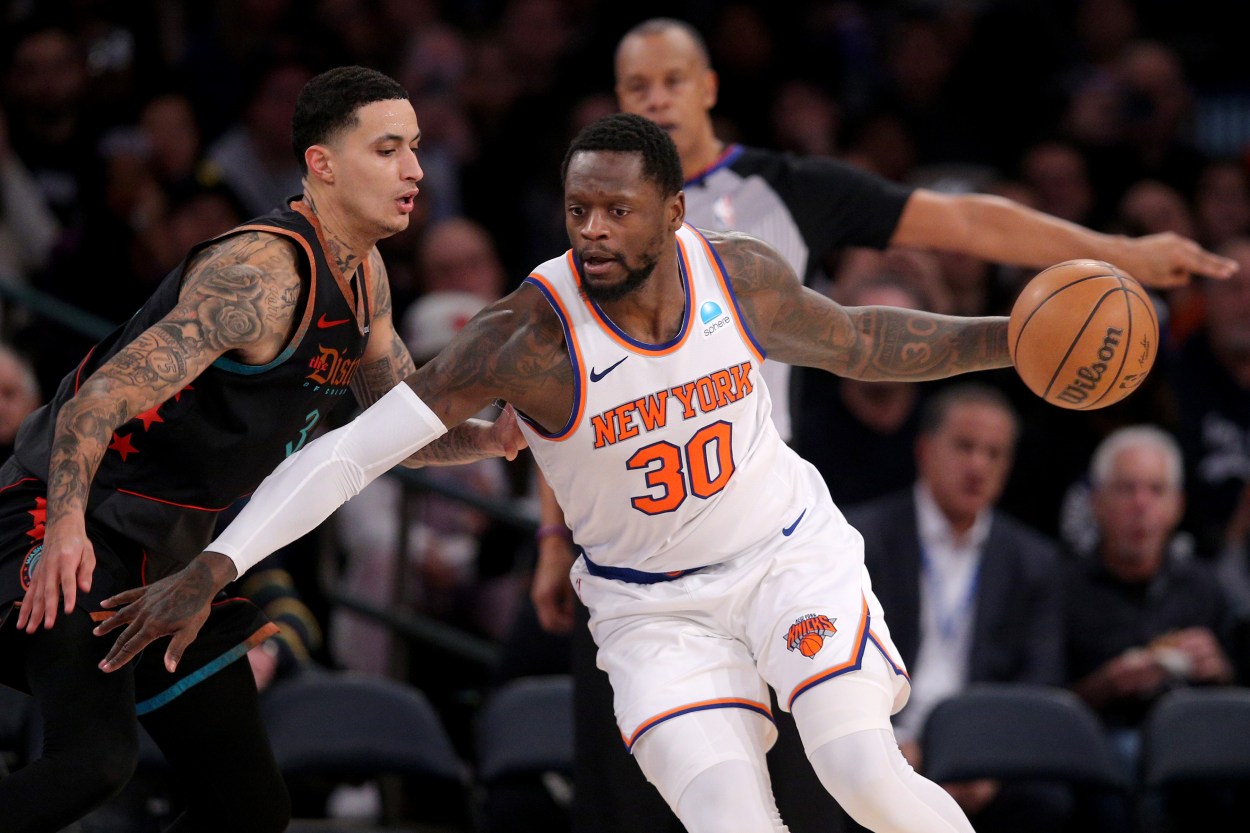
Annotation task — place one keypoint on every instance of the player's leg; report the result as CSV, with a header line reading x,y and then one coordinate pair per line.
x,y
90,740
710,767
845,724
213,737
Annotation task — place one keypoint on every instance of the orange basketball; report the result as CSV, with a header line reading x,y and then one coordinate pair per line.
x,y
810,644
1083,334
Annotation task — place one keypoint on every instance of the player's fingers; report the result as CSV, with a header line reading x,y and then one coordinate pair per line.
x,y
125,597
124,649
178,646
86,568
115,621
49,600
28,611
69,589
1202,262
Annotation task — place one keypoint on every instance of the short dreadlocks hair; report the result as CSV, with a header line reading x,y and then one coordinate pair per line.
x,y
628,133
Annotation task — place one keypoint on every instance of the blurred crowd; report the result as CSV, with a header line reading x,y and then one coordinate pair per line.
x,y
130,130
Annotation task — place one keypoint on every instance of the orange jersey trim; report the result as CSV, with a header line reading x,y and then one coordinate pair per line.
x,y
703,705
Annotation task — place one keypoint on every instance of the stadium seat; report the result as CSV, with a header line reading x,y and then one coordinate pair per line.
x,y
1198,734
526,727
346,728
1013,731
524,740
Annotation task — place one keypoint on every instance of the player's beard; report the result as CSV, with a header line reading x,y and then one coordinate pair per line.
x,y
635,279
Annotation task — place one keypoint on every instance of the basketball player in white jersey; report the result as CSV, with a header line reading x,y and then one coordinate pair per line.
x,y
715,562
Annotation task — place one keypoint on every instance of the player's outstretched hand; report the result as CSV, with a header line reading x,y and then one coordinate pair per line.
x,y
1166,260
178,605
65,566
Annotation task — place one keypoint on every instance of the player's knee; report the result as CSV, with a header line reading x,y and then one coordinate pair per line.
x,y
729,797
103,771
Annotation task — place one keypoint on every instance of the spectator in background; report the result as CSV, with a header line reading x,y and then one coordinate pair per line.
x,y
19,395
870,427
254,155
50,122
1138,619
291,649
1222,202
28,229
1058,175
972,594
169,126
1211,378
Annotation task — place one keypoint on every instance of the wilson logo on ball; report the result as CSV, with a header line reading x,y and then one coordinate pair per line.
x,y
1083,334
1088,377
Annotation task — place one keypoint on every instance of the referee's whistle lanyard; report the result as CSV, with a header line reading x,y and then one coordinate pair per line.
x,y
948,621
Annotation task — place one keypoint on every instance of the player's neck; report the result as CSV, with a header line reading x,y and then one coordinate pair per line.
x,y
346,248
654,312
701,155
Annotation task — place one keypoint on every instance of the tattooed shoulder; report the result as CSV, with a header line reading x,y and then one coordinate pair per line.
x,y
242,291
751,263
760,276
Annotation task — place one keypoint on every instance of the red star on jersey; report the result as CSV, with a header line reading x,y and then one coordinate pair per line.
x,y
178,395
149,416
121,444
40,514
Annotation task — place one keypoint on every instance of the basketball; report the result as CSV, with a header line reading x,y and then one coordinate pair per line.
x,y
1083,334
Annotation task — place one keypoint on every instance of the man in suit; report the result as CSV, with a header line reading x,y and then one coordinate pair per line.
x,y
972,594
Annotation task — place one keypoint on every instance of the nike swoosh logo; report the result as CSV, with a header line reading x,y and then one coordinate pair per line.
x,y
595,377
789,529
322,323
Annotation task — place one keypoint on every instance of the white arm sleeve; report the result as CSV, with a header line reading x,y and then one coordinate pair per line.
x,y
313,482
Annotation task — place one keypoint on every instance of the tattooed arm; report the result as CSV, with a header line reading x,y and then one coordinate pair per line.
x,y
799,326
513,350
387,362
238,296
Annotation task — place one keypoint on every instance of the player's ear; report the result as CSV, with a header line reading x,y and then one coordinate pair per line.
x,y
711,86
319,162
677,210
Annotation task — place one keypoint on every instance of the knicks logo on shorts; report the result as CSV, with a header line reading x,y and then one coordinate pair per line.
x,y
28,565
807,634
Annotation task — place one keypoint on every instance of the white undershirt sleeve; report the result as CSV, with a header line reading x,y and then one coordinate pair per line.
x,y
310,484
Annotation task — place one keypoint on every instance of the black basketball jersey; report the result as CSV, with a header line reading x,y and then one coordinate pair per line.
x,y
169,471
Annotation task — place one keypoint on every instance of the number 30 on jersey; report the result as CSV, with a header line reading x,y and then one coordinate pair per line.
x,y
701,467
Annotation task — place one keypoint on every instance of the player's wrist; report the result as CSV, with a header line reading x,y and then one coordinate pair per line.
x,y
558,531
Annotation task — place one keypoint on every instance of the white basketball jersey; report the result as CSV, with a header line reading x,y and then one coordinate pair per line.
x,y
670,459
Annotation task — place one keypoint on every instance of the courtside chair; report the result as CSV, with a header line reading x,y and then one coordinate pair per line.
x,y
524,742
345,728
1196,759
1016,731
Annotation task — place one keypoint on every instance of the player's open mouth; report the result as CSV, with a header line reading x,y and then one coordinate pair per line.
x,y
597,264
407,202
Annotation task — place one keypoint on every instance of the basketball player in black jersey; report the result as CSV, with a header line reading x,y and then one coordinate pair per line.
x,y
806,208
230,366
